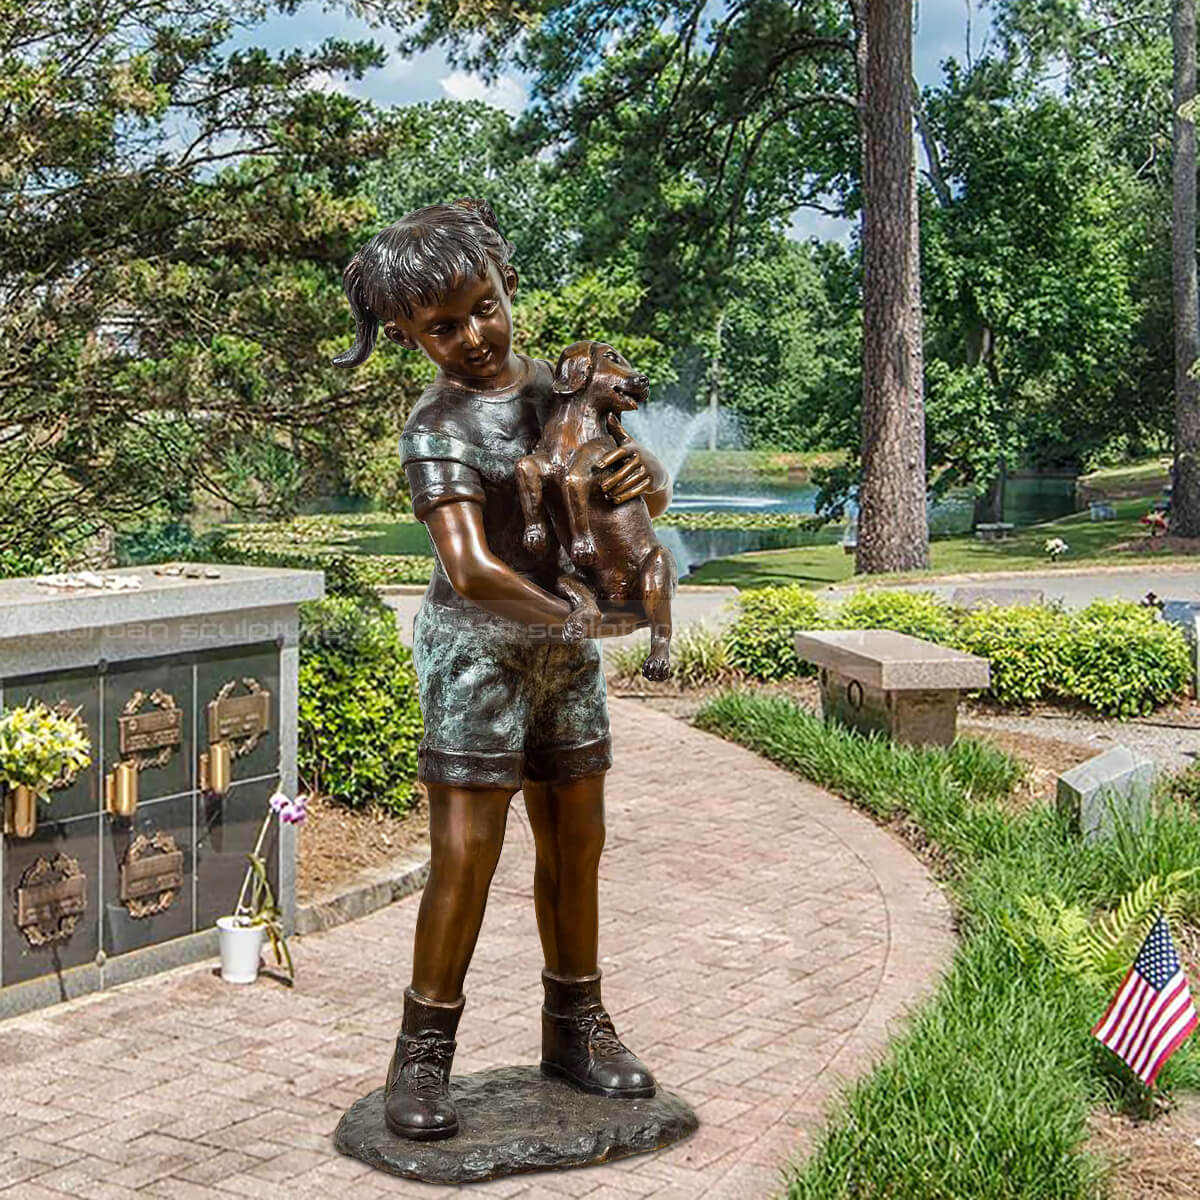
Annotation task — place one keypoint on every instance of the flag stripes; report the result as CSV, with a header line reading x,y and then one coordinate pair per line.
x,y
1152,1012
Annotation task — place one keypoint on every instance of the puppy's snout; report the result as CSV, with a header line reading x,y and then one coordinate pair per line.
x,y
641,382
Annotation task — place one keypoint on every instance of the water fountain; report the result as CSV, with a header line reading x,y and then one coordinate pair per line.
x,y
670,433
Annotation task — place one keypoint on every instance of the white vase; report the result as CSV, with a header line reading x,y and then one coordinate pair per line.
x,y
241,946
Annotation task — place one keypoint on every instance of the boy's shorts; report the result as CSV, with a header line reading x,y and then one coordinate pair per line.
x,y
500,706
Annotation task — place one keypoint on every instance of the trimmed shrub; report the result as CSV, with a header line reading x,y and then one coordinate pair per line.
x,y
761,640
1025,646
698,656
359,716
1123,659
919,614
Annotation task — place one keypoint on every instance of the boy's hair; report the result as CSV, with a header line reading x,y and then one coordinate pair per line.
x,y
418,260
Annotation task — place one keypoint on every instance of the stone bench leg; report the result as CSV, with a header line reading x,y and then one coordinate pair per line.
x,y
918,718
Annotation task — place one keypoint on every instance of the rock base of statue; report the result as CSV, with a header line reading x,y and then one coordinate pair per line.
x,y
514,1119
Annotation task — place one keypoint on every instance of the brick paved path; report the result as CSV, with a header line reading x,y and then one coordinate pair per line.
x,y
759,941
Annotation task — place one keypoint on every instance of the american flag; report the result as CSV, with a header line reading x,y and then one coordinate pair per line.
x,y
1152,1011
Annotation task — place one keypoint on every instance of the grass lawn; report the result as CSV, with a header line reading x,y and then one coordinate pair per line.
x,y
754,464
1145,478
1090,542
986,1091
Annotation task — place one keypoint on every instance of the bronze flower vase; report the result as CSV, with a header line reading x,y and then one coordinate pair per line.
x,y
20,810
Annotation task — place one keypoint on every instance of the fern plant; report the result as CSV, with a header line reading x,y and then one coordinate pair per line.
x,y
1100,948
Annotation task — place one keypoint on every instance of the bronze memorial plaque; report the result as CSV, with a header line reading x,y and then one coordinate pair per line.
x,y
151,874
158,730
240,720
51,897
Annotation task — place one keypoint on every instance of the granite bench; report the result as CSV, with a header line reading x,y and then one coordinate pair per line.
x,y
994,531
876,680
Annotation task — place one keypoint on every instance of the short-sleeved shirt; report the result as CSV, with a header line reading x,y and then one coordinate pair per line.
x,y
460,444
499,705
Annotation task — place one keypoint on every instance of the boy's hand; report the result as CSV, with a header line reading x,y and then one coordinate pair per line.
x,y
614,623
630,476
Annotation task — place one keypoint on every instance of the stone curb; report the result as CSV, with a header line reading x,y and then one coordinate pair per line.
x,y
373,891
989,576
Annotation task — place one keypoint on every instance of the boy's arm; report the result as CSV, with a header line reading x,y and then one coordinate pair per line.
x,y
476,574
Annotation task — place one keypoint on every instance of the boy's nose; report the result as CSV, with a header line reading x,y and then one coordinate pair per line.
x,y
471,335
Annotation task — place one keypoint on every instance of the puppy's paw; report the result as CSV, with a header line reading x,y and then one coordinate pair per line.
x,y
656,667
576,625
583,551
535,538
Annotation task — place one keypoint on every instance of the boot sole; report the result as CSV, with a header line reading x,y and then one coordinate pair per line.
x,y
421,1135
584,1085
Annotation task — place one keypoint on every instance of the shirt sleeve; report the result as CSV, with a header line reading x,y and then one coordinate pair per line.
x,y
439,468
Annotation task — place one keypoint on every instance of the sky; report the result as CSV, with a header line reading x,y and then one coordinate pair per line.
x,y
940,32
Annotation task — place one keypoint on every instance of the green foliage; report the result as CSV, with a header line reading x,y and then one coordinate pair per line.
x,y
919,614
698,656
359,715
15,563
175,211
264,910
1101,947
952,791
717,519
1123,659
165,541
789,350
761,641
1029,258
986,1091
1184,786
723,465
1119,658
320,543
1024,645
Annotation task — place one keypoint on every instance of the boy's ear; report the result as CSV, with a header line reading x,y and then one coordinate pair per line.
x,y
510,278
394,333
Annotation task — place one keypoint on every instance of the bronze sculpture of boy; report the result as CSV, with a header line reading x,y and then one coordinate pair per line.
x,y
508,704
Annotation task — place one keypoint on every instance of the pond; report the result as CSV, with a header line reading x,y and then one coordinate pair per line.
x,y
1030,499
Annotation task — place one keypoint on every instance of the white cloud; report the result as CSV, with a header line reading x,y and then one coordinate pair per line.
x,y
327,81
506,93
810,222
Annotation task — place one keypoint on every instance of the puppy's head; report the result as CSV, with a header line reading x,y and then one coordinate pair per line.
x,y
611,383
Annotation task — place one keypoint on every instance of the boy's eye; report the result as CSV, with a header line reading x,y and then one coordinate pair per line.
x,y
438,330
488,306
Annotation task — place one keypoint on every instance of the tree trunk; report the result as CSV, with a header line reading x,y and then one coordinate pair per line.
x,y
989,504
1185,491
893,529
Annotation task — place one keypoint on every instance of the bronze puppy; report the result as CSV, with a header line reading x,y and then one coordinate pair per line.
x,y
619,562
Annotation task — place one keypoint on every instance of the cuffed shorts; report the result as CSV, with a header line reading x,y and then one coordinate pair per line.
x,y
500,706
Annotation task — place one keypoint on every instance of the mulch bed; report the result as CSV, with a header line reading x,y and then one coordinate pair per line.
x,y
339,844
1152,1160
1165,544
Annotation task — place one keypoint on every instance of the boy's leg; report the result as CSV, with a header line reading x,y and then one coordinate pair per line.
x,y
466,826
466,833
579,1042
568,832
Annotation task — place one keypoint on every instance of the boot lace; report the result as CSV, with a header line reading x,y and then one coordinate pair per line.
x,y
425,1062
602,1036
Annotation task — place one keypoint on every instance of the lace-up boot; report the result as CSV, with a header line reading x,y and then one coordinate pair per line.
x,y
417,1100
580,1044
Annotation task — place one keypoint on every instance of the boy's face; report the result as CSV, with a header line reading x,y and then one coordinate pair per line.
x,y
468,332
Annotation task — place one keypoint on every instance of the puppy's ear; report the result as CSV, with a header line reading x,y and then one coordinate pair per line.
x,y
574,370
